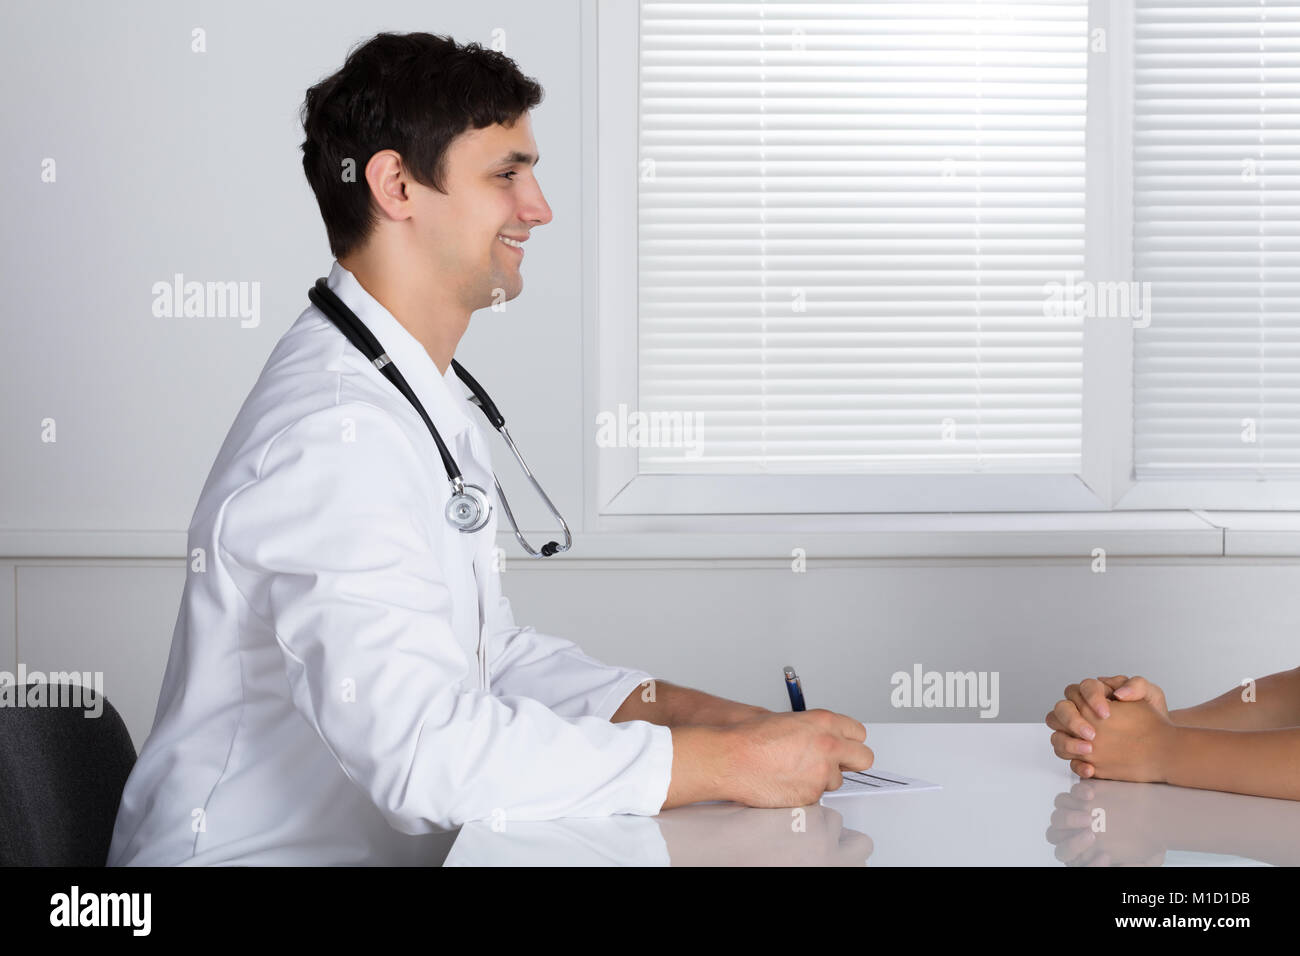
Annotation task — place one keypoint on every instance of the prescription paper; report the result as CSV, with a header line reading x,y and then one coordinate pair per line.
x,y
860,782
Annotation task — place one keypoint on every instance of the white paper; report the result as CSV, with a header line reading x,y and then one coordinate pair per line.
x,y
861,782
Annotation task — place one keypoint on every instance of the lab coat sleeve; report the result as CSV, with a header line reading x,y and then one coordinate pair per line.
x,y
332,545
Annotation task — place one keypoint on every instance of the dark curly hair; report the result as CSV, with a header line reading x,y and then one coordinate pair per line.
x,y
409,92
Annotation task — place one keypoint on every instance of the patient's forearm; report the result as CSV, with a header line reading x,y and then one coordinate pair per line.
x,y
1265,763
1209,822
1276,704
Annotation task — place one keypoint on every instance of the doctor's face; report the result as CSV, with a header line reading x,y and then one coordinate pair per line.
x,y
491,193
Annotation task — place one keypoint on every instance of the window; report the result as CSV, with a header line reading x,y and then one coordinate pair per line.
x,y
1217,237
848,215
893,257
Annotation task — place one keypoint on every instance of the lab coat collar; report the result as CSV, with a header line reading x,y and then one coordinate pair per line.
x,y
443,396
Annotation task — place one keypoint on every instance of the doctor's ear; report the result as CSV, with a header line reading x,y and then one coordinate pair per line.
x,y
386,177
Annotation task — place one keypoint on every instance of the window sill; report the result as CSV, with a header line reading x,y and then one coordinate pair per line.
x,y
1057,535
1145,534
1257,533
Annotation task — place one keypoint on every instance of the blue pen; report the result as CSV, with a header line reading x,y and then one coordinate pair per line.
x,y
795,689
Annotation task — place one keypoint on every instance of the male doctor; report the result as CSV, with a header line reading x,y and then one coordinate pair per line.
x,y
346,683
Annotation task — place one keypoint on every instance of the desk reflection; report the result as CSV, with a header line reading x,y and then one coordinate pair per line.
x,y
1001,783
703,834
1112,823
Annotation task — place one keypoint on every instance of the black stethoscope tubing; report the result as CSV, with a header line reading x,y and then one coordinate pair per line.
x,y
334,309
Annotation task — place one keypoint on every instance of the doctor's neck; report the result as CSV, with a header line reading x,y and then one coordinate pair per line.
x,y
425,304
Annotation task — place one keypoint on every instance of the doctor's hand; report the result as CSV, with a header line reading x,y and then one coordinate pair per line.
x,y
723,834
786,759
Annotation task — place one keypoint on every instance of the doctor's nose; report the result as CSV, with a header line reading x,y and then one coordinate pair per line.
x,y
535,210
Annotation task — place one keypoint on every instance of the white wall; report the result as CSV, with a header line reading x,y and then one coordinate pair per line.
x,y
1197,627
172,161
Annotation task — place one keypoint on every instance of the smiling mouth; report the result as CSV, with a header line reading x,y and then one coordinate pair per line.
x,y
512,243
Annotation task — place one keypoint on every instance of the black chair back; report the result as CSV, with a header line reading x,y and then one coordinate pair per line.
x,y
61,777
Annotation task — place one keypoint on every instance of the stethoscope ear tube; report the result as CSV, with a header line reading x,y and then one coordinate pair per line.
x,y
551,547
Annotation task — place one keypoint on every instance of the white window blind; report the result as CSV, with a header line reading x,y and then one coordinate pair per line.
x,y
1217,234
849,215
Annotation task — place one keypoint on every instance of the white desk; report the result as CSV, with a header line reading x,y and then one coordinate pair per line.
x,y
1007,800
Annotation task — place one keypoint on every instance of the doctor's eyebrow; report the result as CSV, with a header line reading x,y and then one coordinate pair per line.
x,y
515,156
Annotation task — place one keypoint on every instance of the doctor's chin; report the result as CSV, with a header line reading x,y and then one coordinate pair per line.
x,y
870,438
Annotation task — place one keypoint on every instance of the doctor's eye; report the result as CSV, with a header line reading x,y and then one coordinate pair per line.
x,y
512,172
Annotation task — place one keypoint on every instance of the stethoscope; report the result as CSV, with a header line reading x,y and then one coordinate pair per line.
x,y
469,508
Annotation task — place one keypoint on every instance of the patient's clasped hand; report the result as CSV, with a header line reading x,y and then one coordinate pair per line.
x,y
1245,741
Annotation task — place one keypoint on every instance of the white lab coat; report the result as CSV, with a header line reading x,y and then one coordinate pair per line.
x,y
346,683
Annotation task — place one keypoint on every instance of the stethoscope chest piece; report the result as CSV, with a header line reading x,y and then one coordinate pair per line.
x,y
468,509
